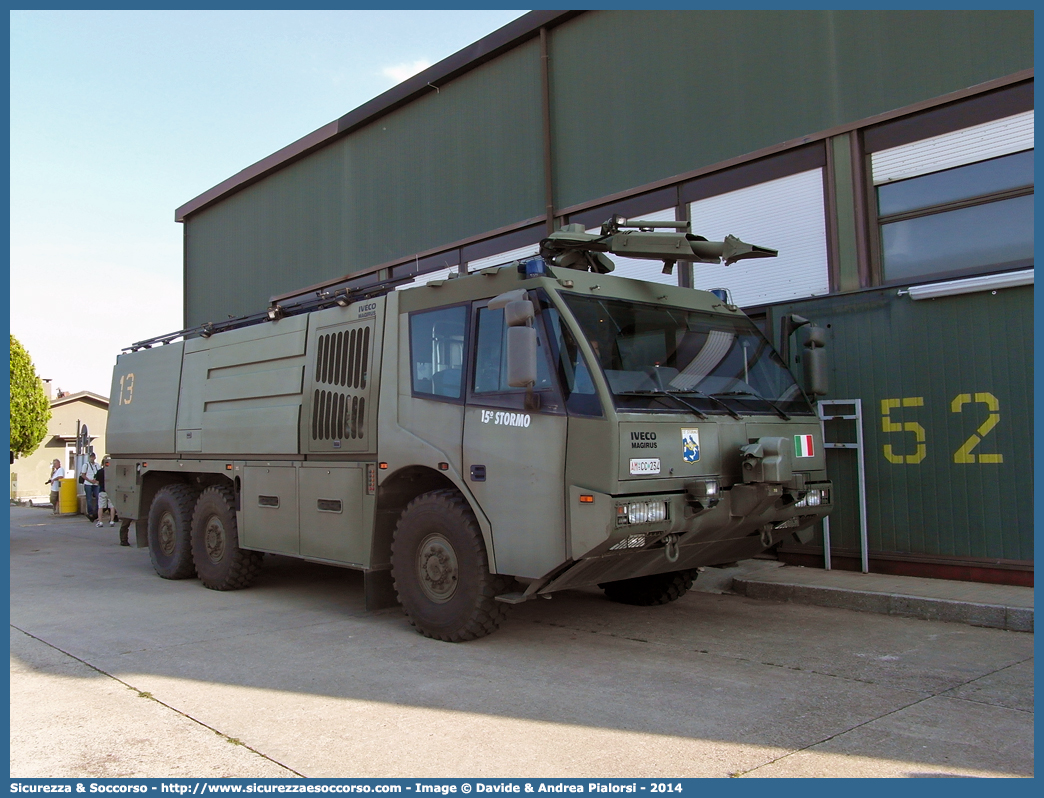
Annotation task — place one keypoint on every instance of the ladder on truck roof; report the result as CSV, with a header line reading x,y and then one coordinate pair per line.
x,y
309,300
570,247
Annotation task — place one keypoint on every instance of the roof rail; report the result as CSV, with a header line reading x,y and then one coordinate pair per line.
x,y
277,310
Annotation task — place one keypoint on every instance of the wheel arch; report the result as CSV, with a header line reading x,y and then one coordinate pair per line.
x,y
399,489
152,481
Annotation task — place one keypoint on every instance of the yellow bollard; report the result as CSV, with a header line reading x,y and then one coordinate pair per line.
x,y
68,502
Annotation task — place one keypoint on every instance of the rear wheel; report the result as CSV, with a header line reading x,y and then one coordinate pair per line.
x,y
646,591
170,536
220,563
441,571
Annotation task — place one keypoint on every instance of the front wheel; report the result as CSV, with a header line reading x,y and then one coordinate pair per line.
x,y
441,571
647,591
170,535
220,563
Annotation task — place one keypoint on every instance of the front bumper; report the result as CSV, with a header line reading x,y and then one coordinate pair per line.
x,y
745,520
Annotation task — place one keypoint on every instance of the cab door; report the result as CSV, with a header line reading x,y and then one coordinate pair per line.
x,y
514,451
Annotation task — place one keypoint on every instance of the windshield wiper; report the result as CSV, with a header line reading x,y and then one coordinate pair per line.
x,y
753,395
715,399
670,395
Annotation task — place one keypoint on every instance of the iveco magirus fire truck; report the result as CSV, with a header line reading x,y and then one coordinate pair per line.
x,y
476,441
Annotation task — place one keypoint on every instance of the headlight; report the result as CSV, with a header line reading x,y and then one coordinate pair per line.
x,y
641,513
811,499
814,498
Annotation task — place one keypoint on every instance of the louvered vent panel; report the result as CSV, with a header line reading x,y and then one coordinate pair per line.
x,y
341,361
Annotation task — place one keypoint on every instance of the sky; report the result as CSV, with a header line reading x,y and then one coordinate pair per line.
x,y
120,117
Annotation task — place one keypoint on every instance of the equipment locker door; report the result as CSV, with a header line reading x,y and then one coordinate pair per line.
x,y
514,455
268,516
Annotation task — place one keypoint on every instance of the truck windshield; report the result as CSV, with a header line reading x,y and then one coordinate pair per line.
x,y
657,357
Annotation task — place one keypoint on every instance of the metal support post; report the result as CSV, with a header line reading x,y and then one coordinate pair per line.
x,y
857,416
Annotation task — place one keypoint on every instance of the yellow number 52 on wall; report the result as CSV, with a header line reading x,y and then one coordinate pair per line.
x,y
964,454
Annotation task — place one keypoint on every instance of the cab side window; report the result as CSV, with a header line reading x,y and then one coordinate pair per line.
x,y
489,386
580,395
491,356
437,352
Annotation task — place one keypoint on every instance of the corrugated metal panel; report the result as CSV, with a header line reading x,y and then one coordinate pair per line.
x,y
467,159
784,214
947,391
272,237
633,103
977,143
454,163
650,270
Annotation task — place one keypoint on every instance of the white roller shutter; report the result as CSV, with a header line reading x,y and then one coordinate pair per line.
x,y
501,258
424,279
977,143
786,215
638,269
527,251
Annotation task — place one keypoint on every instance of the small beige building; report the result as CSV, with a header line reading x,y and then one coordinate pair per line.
x,y
69,412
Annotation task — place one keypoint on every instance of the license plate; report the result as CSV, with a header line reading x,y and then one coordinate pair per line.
x,y
645,465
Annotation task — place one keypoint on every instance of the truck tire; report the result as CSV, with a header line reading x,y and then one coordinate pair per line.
x,y
220,563
170,531
646,591
441,572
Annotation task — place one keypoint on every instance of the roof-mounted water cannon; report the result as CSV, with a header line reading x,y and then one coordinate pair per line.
x,y
574,248
618,223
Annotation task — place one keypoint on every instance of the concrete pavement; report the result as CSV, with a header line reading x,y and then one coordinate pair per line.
x,y
974,603
116,672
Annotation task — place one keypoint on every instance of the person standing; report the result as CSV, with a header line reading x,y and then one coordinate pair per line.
x,y
103,498
89,478
57,472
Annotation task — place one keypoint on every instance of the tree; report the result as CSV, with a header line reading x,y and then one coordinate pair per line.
x,y
30,409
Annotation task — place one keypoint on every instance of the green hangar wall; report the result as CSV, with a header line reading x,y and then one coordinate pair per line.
x,y
635,97
640,96
879,151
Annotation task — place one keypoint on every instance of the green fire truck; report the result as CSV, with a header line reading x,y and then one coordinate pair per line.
x,y
477,441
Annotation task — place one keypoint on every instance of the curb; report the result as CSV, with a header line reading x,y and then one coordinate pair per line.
x,y
1013,619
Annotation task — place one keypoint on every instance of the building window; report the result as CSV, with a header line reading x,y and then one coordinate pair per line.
x,y
501,258
785,214
964,220
956,203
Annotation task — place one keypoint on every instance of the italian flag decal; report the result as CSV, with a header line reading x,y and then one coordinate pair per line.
x,y
803,446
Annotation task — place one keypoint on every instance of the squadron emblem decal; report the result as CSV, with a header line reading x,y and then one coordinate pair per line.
x,y
690,445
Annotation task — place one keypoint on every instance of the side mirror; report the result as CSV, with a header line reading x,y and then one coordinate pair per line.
x,y
788,325
814,361
521,337
521,357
